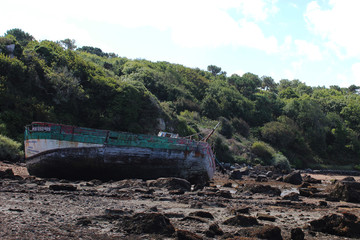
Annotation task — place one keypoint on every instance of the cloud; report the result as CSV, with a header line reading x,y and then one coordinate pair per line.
x,y
336,23
201,23
292,72
299,49
355,68
310,50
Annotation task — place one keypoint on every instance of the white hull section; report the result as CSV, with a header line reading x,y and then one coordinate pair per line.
x,y
36,146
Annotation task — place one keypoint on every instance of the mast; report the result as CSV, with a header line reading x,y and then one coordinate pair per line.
x,y
211,133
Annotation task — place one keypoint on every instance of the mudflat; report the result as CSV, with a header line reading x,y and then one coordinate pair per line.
x,y
255,206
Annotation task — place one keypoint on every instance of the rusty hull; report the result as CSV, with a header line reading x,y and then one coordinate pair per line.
x,y
115,163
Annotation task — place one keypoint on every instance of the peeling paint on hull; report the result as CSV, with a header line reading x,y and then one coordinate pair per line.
x,y
117,158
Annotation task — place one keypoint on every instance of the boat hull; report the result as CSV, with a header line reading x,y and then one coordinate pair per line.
x,y
117,163
60,151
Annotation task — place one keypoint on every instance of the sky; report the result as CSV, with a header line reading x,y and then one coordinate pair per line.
x,y
316,42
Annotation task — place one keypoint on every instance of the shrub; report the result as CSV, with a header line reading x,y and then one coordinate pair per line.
x,y
240,126
281,162
9,149
226,129
222,151
264,151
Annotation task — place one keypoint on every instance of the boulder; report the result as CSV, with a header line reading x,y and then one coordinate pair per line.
x,y
261,178
349,179
62,187
228,184
309,179
216,229
347,225
260,232
265,217
9,174
242,221
297,234
236,174
348,191
245,210
224,194
152,223
170,183
293,178
308,192
268,232
264,189
202,214
291,196
186,235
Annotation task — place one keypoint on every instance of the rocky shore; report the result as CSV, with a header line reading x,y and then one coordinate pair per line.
x,y
251,204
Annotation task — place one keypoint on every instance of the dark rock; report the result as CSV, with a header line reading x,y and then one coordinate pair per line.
x,y
265,217
229,184
297,234
95,182
293,178
15,210
349,179
202,214
153,209
268,232
174,215
261,178
350,216
348,191
323,204
224,194
245,210
305,185
153,223
170,184
241,220
83,221
9,174
186,235
236,174
265,189
62,187
309,179
291,196
215,228
346,226
308,192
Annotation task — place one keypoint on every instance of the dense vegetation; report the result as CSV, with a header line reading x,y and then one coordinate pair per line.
x,y
262,121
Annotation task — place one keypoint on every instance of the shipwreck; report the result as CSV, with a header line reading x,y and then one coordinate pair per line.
x,y
70,152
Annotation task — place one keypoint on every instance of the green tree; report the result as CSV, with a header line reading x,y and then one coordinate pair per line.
x,y
22,37
215,70
268,84
248,84
68,43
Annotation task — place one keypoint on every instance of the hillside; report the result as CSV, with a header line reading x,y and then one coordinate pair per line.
x,y
263,122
